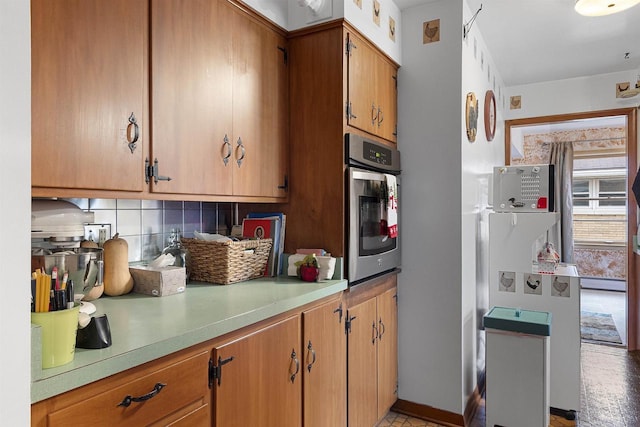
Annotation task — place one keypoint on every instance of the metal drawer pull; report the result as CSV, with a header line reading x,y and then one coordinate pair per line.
x,y
380,117
128,399
225,159
294,356
136,133
382,328
374,116
243,151
313,356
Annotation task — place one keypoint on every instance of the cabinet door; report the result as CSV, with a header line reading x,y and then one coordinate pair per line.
x,y
260,109
387,97
363,107
88,63
325,370
191,69
387,351
260,380
362,380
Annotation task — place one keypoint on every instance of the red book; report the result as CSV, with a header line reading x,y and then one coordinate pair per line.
x,y
263,228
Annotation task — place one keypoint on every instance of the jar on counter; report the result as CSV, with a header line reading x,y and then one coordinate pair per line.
x,y
181,254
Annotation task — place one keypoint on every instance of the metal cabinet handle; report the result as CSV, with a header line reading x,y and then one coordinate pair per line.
x,y
374,114
294,357
241,146
133,123
382,329
285,184
313,356
380,117
225,159
339,311
374,333
128,399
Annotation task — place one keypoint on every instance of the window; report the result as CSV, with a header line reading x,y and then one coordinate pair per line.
x,y
600,191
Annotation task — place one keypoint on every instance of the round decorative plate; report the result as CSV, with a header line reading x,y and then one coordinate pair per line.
x,y
471,114
489,115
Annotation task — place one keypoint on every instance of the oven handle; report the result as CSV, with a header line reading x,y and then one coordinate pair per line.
x,y
367,175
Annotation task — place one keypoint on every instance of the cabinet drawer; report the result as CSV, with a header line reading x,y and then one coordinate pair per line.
x,y
185,389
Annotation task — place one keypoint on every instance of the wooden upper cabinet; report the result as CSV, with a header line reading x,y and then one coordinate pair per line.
x,y
387,119
260,109
361,64
219,100
371,88
191,96
259,378
88,79
324,366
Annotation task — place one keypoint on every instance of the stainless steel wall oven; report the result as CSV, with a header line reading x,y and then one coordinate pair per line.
x,y
372,175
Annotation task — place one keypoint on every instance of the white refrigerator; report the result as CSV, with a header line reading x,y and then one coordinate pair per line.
x,y
514,281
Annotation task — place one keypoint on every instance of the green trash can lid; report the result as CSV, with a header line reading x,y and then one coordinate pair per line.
x,y
517,320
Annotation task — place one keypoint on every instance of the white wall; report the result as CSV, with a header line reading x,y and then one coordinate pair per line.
x,y
15,211
289,14
274,10
591,93
445,186
429,123
478,159
362,19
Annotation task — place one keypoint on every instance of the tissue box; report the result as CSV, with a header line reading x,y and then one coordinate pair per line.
x,y
158,282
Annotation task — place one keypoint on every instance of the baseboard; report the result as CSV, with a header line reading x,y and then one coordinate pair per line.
x,y
428,413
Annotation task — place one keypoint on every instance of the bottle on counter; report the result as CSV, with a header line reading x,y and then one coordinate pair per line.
x,y
181,253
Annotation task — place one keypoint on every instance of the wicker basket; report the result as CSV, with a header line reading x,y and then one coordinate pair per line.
x,y
228,262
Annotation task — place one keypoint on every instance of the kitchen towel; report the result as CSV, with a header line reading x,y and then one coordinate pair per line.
x,y
292,268
392,206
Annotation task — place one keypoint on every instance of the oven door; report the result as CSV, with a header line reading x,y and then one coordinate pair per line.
x,y
370,250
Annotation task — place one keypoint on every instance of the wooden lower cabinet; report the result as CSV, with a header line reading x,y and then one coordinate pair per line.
x,y
372,355
177,387
289,371
259,378
324,379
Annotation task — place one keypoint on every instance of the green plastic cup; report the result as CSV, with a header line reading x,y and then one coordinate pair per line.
x,y
58,335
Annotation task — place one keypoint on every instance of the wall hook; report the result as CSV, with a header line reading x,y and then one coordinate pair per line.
x,y
467,27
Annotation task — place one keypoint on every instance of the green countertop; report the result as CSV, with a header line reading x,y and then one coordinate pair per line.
x,y
144,328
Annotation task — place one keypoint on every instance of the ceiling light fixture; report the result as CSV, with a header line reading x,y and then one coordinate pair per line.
x,y
603,7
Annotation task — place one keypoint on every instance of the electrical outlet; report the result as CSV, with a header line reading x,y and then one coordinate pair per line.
x,y
99,233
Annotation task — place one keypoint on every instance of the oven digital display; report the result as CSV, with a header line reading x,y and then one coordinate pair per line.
x,y
376,153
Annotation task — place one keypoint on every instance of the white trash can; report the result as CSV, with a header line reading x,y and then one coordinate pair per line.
x,y
517,367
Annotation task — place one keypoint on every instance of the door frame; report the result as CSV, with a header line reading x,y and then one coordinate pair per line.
x,y
633,258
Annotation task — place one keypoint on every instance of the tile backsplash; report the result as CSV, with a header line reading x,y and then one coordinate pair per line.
x,y
146,224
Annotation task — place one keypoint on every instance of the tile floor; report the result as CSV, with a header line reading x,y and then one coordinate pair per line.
x,y
610,394
399,420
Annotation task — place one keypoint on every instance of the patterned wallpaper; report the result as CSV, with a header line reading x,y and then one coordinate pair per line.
x,y
536,147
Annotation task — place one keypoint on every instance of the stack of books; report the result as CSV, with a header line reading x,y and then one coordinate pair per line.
x,y
263,225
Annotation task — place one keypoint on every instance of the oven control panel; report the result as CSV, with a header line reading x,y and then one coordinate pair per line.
x,y
371,155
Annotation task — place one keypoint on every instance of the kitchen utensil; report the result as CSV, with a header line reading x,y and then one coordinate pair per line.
x,y
83,265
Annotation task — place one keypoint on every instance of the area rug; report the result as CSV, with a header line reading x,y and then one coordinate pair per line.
x,y
598,327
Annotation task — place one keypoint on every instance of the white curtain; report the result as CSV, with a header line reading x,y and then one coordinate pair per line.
x,y
562,159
